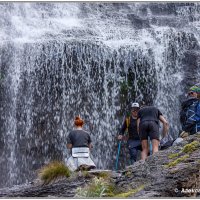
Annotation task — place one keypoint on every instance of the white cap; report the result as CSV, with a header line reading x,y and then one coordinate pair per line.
x,y
135,105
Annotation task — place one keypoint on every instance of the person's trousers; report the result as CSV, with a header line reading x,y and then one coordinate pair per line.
x,y
133,146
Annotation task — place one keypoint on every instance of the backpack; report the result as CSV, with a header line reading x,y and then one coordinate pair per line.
x,y
190,114
183,114
128,121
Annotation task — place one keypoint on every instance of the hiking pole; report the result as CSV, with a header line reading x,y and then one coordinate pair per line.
x,y
118,151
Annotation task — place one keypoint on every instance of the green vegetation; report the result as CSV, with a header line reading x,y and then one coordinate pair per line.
x,y
85,174
189,148
173,155
128,173
178,160
97,188
131,192
53,171
104,175
103,186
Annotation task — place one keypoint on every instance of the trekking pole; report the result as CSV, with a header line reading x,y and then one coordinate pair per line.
x,y
119,147
118,151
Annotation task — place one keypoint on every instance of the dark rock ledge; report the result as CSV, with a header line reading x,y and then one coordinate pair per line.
x,y
174,172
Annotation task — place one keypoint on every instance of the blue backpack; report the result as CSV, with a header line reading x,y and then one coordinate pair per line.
x,y
190,115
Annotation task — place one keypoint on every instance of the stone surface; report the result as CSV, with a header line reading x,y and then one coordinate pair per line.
x,y
153,176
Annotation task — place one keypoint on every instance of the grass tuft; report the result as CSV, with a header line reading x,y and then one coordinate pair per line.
x,y
53,171
104,175
97,188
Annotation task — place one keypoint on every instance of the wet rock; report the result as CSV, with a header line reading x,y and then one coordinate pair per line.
x,y
159,180
152,178
138,22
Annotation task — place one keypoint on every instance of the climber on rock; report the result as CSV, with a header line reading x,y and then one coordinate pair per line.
x,y
130,125
79,141
148,126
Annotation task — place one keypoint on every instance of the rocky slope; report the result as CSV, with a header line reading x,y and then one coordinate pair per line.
x,y
169,173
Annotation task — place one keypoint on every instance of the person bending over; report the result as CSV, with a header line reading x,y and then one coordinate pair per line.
x,y
148,126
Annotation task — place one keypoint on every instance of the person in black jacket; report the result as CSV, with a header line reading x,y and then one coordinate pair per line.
x,y
130,125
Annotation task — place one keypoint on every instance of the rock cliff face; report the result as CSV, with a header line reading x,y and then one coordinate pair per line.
x,y
169,173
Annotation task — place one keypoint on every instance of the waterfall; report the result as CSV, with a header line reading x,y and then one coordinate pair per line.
x,y
59,60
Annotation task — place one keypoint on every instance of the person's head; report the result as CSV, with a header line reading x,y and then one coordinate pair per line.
x,y
78,122
135,108
194,91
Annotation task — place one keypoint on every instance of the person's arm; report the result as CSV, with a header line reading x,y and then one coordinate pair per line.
x,y
124,126
69,141
90,146
69,146
138,124
165,125
90,142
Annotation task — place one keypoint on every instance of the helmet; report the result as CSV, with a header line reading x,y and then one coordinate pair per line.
x,y
135,105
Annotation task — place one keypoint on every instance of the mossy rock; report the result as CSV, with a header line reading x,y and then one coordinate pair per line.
x,y
177,161
130,192
173,155
189,148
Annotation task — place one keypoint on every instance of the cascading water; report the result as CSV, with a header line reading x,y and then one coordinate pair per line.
x,y
59,60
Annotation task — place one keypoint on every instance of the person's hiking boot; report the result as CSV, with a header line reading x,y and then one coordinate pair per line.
x,y
184,134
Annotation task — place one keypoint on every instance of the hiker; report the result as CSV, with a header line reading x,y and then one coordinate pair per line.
x,y
148,126
190,112
79,141
130,125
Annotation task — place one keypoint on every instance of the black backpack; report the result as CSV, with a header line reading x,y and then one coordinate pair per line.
x,y
184,110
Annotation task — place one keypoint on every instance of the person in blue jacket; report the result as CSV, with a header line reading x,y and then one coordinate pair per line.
x,y
190,112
